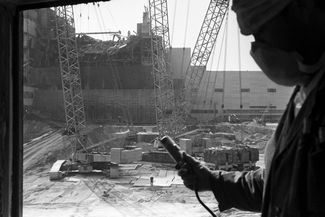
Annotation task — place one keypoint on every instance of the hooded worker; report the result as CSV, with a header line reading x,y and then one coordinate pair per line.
x,y
289,47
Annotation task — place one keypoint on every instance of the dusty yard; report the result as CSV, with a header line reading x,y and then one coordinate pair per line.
x,y
97,195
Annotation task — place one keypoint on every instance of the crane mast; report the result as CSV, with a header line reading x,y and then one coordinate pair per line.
x,y
203,47
70,69
163,83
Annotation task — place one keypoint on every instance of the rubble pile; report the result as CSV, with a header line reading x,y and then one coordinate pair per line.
x,y
225,155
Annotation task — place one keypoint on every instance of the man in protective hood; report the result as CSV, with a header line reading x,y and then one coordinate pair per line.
x,y
289,47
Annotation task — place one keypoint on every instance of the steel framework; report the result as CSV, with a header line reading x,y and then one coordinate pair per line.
x,y
203,47
163,83
70,70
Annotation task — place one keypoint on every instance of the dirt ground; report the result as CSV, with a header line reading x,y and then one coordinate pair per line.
x,y
96,195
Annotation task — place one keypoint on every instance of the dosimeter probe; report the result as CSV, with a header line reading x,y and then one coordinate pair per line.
x,y
177,154
173,149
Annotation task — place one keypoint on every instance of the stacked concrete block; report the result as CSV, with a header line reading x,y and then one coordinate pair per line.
x,y
116,155
147,136
253,154
198,144
114,171
129,156
217,143
244,155
229,136
230,155
120,155
217,156
208,142
186,145
146,147
235,156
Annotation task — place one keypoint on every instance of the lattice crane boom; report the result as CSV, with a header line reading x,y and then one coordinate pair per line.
x,y
70,69
204,45
160,50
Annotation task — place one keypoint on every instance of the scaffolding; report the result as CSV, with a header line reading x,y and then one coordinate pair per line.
x,y
70,70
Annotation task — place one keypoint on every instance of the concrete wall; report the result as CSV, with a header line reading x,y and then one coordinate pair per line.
x,y
101,105
96,77
123,156
258,96
220,93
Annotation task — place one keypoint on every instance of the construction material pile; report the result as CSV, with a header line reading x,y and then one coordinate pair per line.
x,y
226,157
227,146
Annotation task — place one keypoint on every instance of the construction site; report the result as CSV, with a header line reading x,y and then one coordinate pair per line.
x,y
94,111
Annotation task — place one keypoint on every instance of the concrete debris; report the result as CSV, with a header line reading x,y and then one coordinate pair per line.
x,y
147,136
135,186
122,156
225,154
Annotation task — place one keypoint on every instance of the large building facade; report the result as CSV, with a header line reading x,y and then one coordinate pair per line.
x,y
248,94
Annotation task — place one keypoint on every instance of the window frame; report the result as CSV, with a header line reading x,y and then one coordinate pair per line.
x,y
11,99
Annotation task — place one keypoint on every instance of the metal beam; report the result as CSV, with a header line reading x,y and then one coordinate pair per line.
x,y
70,70
97,33
203,47
163,83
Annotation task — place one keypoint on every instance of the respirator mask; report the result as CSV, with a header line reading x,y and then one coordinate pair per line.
x,y
283,67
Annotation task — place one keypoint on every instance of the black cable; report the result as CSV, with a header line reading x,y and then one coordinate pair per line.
x,y
205,206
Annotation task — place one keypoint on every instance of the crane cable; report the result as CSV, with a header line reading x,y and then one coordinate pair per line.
x,y
239,64
225,62
173,25
185,35
88,17
219,57
103,21
209,75
208,82
80,17
97,17
113,19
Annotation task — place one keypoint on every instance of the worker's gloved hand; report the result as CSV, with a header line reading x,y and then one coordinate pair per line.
x,y
195,175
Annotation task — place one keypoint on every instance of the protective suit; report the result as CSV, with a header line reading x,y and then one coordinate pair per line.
x,y
292,183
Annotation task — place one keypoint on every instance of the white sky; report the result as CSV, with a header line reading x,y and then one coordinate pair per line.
x,y
124,15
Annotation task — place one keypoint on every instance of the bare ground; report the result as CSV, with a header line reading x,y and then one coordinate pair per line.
x,y
81,195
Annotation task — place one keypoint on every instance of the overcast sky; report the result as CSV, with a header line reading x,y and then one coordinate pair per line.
x,y
124,15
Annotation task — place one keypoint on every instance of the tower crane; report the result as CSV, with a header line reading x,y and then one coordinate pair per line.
x,y
201,53
70,70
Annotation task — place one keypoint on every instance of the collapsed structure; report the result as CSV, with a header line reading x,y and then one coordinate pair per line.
x,y
116,74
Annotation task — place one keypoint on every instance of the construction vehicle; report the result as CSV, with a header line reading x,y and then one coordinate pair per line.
x,y
70,70
86,158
